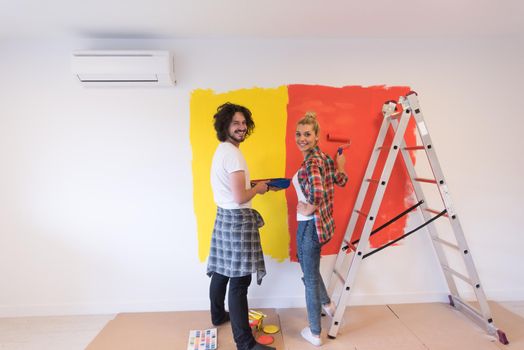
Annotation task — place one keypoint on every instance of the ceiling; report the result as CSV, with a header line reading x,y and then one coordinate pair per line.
x,y
260,19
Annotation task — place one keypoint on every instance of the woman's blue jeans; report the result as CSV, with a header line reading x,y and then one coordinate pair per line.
x,y
308,252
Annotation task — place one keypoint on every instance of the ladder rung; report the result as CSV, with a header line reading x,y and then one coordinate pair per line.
x,y
446,243
395,115
361,213
414,148
339,276
458,274
472,312
435,211
350,246
431,181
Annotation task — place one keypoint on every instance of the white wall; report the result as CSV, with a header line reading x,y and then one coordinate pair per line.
x,y
96,208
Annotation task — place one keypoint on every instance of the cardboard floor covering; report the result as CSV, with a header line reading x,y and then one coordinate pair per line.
x,y
432,326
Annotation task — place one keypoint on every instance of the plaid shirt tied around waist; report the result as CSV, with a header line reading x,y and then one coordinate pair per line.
x,y
235,244
317,176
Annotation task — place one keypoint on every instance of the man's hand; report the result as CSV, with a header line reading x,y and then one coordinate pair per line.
x,y
261,187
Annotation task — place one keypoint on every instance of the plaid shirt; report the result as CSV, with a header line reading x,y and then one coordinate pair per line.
x,y
317,176
235,244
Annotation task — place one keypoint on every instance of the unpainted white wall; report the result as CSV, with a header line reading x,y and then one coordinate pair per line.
x,y
96,207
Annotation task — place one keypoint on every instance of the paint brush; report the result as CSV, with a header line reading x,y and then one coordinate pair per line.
x,y
331,137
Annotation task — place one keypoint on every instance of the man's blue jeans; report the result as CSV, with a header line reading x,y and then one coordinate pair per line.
x,y
308,251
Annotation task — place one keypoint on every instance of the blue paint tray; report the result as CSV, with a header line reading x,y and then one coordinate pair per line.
x,y
279,182
276,182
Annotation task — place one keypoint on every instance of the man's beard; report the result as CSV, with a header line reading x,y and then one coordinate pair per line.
x,y
237,138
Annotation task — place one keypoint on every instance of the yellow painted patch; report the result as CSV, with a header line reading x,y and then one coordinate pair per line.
x,y
265,153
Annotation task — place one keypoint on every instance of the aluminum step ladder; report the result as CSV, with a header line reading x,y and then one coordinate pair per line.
x,y
351,254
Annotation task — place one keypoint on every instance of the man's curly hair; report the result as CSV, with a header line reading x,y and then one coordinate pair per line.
x,y
224,116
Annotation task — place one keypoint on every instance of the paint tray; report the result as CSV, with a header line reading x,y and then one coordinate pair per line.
x,y
279,182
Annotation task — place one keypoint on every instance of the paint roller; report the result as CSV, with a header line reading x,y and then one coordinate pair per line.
x,y
346,141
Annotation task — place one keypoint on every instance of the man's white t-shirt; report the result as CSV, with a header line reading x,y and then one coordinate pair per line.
x,y
226,160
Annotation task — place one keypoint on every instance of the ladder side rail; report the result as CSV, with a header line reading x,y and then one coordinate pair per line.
x,y
363,244
369,172
342,299
475,315
419,193
412,100
370,169
364,186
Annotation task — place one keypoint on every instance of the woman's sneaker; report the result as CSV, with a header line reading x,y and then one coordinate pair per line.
x,y
306,334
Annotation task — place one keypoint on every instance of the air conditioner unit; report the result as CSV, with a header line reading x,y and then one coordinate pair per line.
x,y
124,68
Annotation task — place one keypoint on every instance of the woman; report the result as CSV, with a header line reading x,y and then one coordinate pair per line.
x,y
314,183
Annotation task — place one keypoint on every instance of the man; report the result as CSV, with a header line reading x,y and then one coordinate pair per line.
x,y
235,251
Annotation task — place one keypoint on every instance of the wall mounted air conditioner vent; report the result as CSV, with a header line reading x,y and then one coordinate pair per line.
x,y
124,68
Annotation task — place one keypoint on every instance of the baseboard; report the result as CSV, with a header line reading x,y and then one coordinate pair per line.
x,y
255,302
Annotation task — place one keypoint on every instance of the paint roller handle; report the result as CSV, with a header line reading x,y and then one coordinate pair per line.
x,y
340,149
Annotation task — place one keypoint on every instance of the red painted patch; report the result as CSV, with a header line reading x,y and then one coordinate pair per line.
x,y
354,112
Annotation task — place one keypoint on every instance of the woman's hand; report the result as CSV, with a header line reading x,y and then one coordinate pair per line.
x,y
306,209
340,160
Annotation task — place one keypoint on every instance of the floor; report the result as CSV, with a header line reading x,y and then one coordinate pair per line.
x,y
77,332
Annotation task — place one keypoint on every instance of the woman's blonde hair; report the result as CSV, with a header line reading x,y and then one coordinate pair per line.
x,y
310,118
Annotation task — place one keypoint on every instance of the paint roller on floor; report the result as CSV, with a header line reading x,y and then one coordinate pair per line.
x,y
343,139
